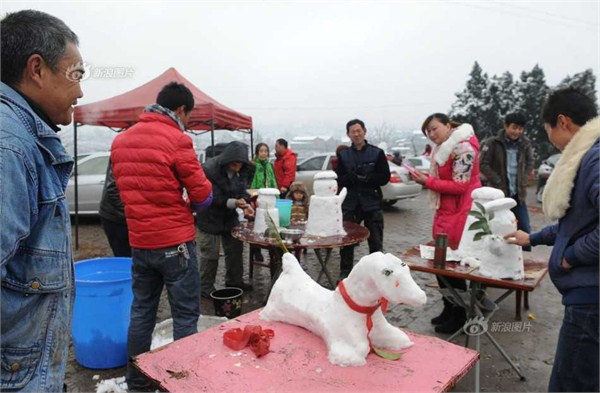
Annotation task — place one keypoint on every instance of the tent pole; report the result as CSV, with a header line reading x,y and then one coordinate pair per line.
x,y
76,187
251,142
212,137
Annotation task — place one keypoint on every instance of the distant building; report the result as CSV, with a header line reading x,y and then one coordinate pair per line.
x,y
306,146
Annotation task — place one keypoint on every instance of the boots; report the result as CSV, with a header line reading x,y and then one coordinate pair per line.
x,y
457,320
444,316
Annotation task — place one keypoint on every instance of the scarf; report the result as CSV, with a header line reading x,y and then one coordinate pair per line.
x,y
155,108
557,194
440,155
264,176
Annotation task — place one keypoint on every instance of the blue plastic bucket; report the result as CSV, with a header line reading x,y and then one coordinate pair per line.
x,y
284,206
103,297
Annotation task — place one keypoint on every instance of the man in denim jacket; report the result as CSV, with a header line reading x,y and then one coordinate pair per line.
x,y
571,197
41,70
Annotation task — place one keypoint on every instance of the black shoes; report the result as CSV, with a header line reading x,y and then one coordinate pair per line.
x,y
243,286
456,321
444,316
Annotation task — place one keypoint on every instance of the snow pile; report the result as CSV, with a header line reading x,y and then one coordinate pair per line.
x,y
115,385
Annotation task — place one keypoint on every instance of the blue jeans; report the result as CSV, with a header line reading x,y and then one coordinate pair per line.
x,y
576,361
152,269
522,215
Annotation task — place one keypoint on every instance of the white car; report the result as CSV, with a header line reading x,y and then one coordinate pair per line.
x,y
420,163
399,187
543,173
91,173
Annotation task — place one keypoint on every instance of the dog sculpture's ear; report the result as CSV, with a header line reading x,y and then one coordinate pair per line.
x,y
387,272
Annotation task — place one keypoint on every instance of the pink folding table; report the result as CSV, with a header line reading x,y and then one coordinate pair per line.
x,y
298,363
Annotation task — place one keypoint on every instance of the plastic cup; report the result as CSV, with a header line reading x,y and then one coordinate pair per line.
x,y
284,206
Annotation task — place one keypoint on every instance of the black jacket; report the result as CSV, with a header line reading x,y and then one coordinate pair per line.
x,y
362,172
218,219
111,205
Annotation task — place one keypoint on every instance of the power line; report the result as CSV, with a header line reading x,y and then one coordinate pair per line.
x,y
556,16
568,22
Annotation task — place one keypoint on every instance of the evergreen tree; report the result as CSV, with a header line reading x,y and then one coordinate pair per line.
x,y
584,81
469,106
531,90
485,101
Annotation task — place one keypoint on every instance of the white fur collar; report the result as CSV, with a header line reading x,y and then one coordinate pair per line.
x,y
459,134
557,194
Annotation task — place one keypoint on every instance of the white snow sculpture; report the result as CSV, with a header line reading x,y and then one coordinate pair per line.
x,y
298,300
497,259
325,213
265,203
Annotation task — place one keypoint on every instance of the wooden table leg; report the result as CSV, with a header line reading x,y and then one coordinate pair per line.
x,y
526,301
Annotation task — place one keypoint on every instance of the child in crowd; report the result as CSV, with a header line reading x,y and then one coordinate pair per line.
x,y
264,177
300,198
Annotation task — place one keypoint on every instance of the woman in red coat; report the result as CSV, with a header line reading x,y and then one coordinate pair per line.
x,y
453,175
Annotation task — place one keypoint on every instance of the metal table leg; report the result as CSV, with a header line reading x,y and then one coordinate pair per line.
x,y
472,312
323,262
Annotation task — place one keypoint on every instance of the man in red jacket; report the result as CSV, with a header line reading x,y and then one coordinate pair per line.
x,y
155,166
285,166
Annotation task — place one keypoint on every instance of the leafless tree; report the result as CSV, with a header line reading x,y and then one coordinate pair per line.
x,y
380,133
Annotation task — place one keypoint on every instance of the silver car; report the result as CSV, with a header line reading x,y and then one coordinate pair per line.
x,y
91,172
399,187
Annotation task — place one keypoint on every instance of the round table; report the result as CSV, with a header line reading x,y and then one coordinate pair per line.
x,y
355,234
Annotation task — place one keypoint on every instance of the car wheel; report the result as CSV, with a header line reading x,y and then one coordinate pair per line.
x,y
539,194
389,203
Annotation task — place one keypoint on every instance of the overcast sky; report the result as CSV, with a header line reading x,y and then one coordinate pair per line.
x,y
314,65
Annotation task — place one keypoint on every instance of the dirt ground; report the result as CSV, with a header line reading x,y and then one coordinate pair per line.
x,y
530,342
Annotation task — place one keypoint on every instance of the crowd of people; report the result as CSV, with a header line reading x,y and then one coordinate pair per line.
x,y
146,214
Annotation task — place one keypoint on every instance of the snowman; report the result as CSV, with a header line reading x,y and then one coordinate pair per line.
x,y
482,243
325,213
265,205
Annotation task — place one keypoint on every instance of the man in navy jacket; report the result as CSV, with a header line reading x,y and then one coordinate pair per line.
x,y
571,197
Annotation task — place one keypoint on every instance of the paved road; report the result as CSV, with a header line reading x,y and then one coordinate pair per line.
x,y
531,343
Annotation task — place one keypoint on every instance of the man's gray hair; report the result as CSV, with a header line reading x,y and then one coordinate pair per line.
x,y
29,32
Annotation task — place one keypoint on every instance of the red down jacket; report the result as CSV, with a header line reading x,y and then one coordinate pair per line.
x,y
152,162
455,197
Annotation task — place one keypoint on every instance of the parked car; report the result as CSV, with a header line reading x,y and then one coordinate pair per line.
x,y
399,187
91,172
420,163
543,173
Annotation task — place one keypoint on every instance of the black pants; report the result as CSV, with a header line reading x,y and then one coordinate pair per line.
x,y
118,237
373,221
